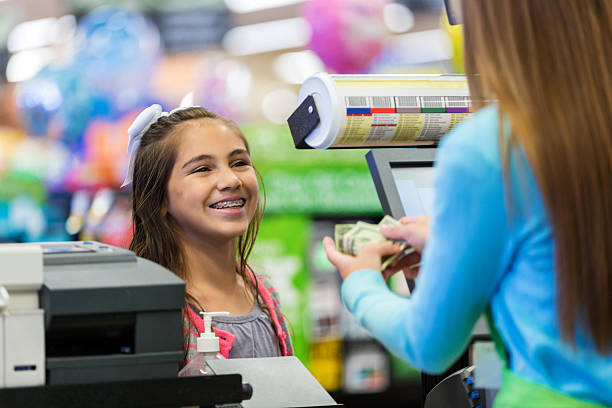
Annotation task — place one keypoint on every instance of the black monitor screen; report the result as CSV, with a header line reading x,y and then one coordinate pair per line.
x,y
403,179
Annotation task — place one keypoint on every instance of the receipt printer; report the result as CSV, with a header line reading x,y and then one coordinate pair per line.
x,y
108,315
22,347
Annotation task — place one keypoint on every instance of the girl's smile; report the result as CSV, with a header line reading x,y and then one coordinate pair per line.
x,y
231,205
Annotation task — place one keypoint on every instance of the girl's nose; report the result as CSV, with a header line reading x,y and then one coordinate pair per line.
x,y
228,180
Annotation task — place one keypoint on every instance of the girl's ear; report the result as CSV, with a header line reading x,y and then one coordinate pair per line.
x,y
164,209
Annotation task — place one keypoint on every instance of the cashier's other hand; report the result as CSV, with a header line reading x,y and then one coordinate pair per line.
x,y
409,265
368,258
413,230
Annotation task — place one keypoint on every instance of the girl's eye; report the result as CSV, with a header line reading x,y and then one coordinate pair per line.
x,y
240,163
201,169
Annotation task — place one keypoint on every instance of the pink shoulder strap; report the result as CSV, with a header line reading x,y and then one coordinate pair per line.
x,y
226,339
267,298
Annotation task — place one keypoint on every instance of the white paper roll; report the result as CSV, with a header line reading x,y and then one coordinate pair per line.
x,y
385,110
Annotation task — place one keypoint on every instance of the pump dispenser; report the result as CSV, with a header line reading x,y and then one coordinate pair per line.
x,y
208,342
207,347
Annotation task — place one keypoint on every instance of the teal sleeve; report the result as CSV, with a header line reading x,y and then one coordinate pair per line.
x,y
462,263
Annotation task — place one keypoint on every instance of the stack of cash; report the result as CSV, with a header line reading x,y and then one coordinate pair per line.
x,y
351,238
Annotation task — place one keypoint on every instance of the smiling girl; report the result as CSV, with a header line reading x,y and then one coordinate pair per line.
x,y
196,211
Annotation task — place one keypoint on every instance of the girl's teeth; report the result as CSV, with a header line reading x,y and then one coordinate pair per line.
x,y
227,204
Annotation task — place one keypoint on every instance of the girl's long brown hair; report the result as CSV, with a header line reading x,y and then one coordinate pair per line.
x,y
156,235
549,65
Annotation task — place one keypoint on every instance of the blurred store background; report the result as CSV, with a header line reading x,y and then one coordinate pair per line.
x,y
75,73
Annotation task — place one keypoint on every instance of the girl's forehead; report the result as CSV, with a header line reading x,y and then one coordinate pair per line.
x,y
208,136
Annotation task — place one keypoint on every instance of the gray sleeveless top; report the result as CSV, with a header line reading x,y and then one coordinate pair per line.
x,y
254,333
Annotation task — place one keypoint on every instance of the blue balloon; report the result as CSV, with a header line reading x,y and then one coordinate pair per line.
x,y
56,103
116,51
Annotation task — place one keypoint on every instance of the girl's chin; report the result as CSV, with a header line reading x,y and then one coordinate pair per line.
x,y
231,233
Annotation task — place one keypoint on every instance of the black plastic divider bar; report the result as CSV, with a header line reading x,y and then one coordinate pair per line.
x,y
203,391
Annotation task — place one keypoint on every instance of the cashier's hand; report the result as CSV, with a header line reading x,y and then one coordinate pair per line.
x,y
413,230
368,258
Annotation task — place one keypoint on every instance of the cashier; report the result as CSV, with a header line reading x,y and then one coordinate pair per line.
x,y
521,227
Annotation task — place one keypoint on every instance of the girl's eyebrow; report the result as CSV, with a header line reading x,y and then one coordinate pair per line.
x,y
201,157
237,152
197,159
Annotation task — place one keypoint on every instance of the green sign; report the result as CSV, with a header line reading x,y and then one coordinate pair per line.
x,y
328,182
279,254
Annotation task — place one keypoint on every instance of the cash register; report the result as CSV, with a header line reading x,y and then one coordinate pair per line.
x,y
85,312
109,314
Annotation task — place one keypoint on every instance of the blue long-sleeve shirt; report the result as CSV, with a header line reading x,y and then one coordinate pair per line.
x,y
486,246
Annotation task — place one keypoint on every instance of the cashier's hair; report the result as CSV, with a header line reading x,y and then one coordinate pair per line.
x,y
156,236
547,63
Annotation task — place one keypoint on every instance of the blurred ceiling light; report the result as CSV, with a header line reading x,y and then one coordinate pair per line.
x,y
398,18
25,64
424,46
249,6
239,79
30,34
100,205
296,67
269,36
277,105
41,33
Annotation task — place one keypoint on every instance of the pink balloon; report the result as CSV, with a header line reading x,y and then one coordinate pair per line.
x,y
346,34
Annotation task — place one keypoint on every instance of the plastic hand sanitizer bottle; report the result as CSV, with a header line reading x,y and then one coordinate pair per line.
x,y
208,349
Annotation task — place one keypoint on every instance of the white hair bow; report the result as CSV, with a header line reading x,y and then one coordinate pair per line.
x,y
141,124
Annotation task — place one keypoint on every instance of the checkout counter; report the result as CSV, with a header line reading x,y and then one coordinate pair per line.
x,y
86,324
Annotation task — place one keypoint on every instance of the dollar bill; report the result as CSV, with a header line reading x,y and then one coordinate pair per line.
x,y
360,236
339,231
388,220
351,238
